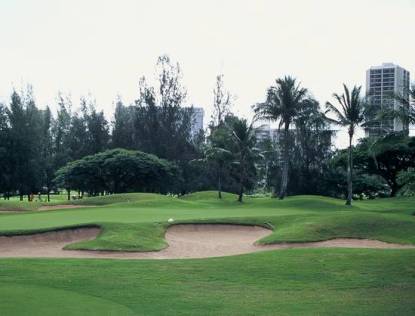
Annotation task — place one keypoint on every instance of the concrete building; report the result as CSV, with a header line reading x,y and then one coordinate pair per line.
x,y
276,136
263,132
382,83
197,120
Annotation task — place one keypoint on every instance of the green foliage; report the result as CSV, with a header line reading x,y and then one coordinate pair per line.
x,y
407,180
284,102
310,151
157,123
383,157
116,171
352,109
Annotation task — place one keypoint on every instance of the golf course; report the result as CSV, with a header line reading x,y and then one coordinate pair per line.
x,y
297,256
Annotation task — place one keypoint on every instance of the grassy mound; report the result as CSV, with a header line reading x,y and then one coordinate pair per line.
x,y
137,221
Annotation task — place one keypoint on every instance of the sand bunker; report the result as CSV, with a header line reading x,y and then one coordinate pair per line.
x,y
185,241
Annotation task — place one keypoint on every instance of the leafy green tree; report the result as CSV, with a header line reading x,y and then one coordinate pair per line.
x,y
351,115
283,103
60,132
98,130
218,158
407,181
5,174
365,183
123,126
26,140
77,143
46,158
312,149
117,171
385,157
162,125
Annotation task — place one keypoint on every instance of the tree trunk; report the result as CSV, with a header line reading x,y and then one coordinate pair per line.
x,y
69,194
219,184
394,188
284,175
349,172
241,193
241,189
274,193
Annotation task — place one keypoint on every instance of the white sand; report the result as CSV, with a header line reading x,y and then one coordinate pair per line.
x,y
185,241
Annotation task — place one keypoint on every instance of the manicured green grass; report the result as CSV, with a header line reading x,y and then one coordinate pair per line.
x,y
136,222
14,203
283,282
287,282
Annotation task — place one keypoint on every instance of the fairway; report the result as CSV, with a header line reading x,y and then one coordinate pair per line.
x,y
275,282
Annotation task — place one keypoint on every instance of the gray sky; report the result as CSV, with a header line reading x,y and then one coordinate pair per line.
x,y
103,47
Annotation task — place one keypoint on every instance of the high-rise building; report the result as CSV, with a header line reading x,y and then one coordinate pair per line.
x,y
197,120
382,84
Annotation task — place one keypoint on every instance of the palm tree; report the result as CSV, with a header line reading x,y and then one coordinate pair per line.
x,y
350,115
243,143
284,102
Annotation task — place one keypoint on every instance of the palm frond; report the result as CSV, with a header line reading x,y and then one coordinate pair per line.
x,y
341,119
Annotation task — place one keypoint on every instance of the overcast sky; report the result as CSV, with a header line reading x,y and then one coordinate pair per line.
x,y
103,47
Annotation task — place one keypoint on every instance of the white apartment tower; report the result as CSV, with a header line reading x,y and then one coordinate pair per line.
x,y
382,83
197,121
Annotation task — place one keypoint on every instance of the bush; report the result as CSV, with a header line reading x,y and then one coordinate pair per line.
x,y
118,171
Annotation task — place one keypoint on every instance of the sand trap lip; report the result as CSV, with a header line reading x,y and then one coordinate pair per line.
x,y
185,241
5,210
62,206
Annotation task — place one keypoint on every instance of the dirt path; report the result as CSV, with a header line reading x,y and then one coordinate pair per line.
x,y
185,241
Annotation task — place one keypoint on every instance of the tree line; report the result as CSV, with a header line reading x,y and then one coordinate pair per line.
x,y
148,145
